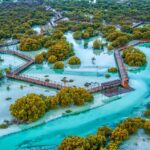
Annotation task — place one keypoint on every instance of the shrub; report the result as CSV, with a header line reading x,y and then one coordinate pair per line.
x,y
3,126
8,70
97,44
147,113
147,126
77,96
61,49
39,58
74,61
119,134
134,57
57,34
59,65
28,108
107,76
85,35
29,44
106,131
74,143
132,124
112,146
51,102
77,35
52,59
109,47
96,141
112,70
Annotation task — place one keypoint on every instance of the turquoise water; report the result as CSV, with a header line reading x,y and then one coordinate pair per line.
x,y
10,61
37,29
82,124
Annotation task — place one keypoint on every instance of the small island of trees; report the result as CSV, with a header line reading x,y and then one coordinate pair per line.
x,y
97,44
28,108
59,65
106,138
29,44
32,107
112,70
134,57
74,60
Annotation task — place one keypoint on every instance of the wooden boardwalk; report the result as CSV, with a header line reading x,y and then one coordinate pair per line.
x,y
29,79
9,43
17,54
123,81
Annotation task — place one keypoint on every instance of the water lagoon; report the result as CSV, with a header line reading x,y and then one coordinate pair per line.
x,y
10,61
103,111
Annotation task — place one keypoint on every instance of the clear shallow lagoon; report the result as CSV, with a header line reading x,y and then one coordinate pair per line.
x,y
51,133
10,61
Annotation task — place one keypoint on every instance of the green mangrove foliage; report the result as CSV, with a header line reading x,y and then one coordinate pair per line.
x,y
77,35
59,65
28,108
39,58
31,107
29,44
58,49
147,113
52,59
106,138
76,96
97,44
112,70
62,50
74,60
134,57
17,20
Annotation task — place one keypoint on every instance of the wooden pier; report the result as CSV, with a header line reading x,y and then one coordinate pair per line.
x,y
121,68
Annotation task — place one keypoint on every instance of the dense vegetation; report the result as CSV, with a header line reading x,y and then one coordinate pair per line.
x,y
106,138
97,44
28,108
134,57
147,113
58,48
112,69
76,96
31,107
59,65
74,60
62,50
117,11
17,19
52,59
29,44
